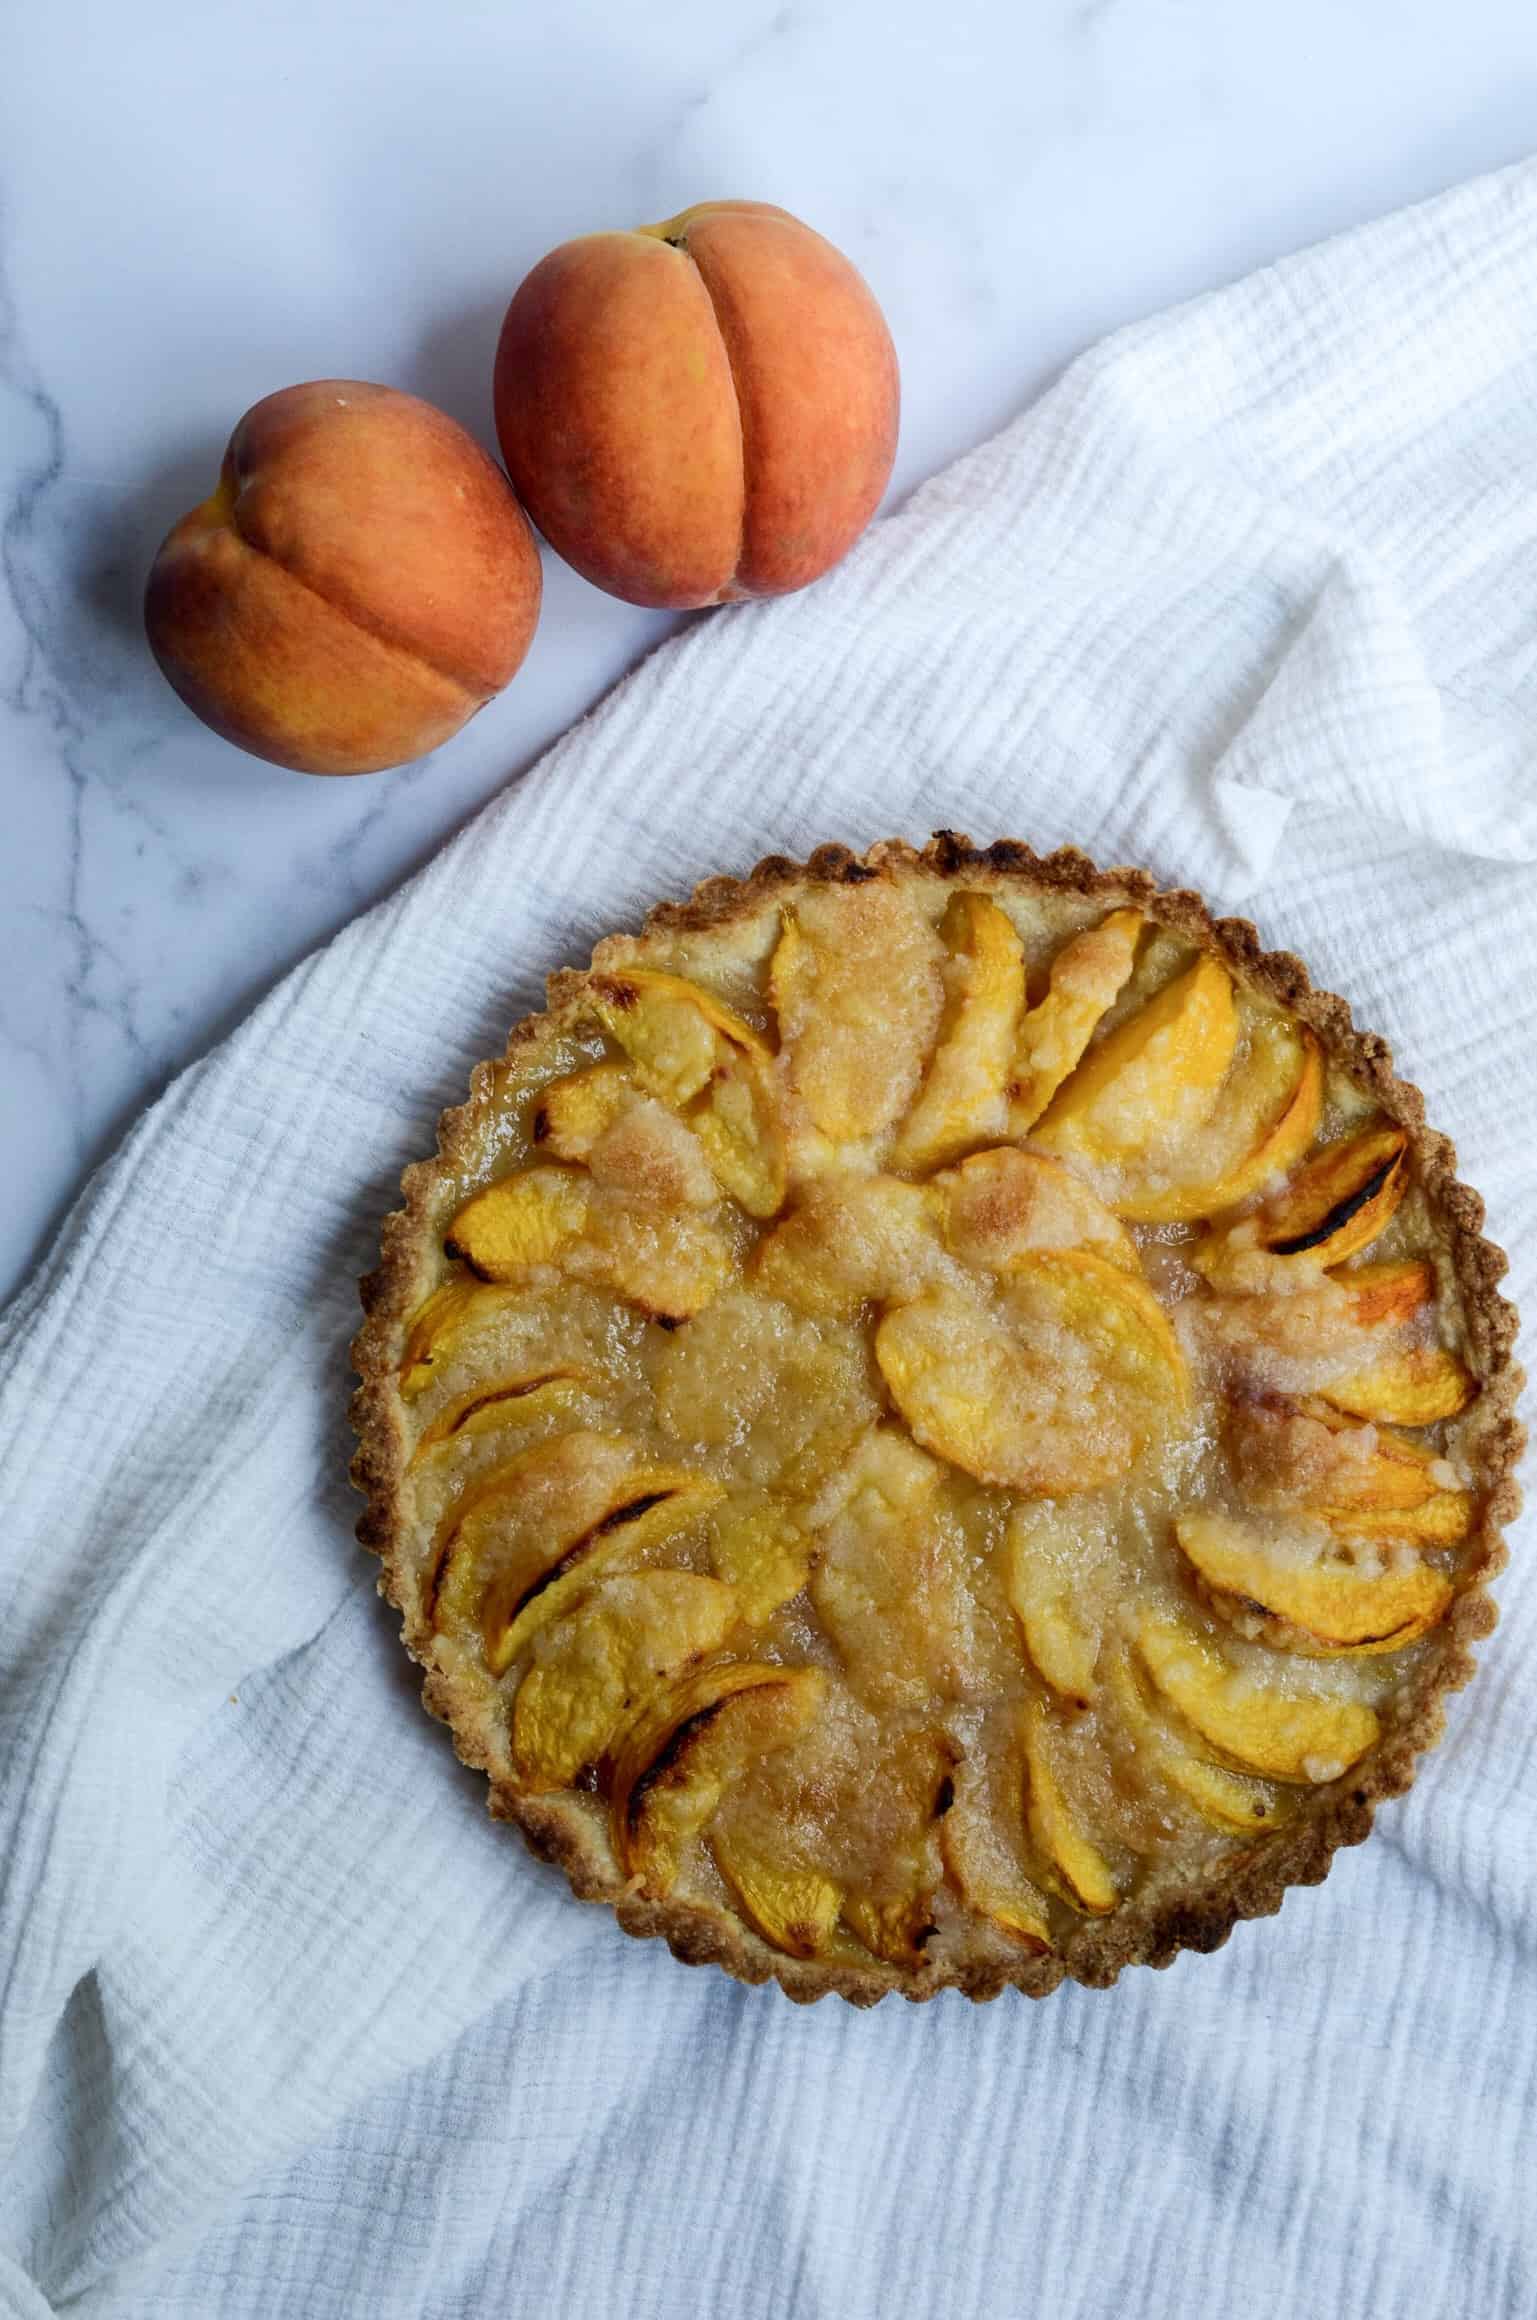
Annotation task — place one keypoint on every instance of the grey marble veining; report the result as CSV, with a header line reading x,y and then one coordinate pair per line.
x,y
198,205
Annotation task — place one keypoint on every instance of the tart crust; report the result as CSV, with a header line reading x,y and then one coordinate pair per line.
x,y
1251,1881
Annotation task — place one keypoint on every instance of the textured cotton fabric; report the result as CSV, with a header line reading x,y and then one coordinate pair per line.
x,y
288,2030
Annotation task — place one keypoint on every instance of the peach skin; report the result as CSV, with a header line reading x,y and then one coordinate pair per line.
x,y
701,410
361,581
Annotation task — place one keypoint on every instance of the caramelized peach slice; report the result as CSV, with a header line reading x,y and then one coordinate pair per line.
x,y
670,1028
672,1765
519,1222
591,1667
1296,1339
1417,1387
963,1100
1232,1801
1061,1400
1044,1554
669,1261
887,1586
1001,1207
435,1324
856,987
1264,1121
792,1908
981,1860
694,1053
1069,1856
670,1265
760,1550
893,1914
650,1159
513,1552
851,1239
893,1926
1087,977
572,1113
1365,1482
1320,1597
1340,1201
1151,1082
1398,1289
1299,1737
737,1124
518,1399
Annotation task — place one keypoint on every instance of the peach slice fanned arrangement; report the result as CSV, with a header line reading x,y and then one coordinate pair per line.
x,y
940,1420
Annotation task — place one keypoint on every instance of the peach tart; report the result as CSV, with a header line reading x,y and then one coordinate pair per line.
x,y
939,1420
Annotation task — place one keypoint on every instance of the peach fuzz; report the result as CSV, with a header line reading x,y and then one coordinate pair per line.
x,y
700,410
361,581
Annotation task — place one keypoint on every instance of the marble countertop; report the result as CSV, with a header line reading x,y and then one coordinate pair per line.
x,y
200,203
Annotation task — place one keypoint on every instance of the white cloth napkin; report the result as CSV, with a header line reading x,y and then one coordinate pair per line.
x,y
287,2029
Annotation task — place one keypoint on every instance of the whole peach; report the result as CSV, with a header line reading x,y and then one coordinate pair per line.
x,y
700,410
361,581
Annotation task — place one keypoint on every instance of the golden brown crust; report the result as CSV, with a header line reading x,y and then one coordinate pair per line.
x,y
1252,1883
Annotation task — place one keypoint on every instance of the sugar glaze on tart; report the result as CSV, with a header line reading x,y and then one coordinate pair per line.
x,y
939,1420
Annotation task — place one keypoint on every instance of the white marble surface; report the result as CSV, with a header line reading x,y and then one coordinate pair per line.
x,y
199,203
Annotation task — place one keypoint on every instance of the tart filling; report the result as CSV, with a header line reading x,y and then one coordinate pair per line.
x,y
938,1420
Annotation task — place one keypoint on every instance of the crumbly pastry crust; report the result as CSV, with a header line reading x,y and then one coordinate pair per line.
x,y
1252,1880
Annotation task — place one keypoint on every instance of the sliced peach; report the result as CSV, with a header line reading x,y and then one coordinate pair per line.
x,y
435,1324
856,988
1070,1858
893,1926
887,1588
667,1260
1043,1581
591,1667
1265,1120
762,1553
981,1861
650,1158
1232,1801
1062,1400
893,1914
963,1099
526,1538
850,1239
1417,1387
792,1908
1441,1520
519,1222
1117,1312
1320,1597
1151,1082
572,1113
1365,1482
737,1123
1087,977
670,1028
1298,1737
1002,1206
669,1264
694,1053
517,1399
1340,1201
1397,1289
672,1765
